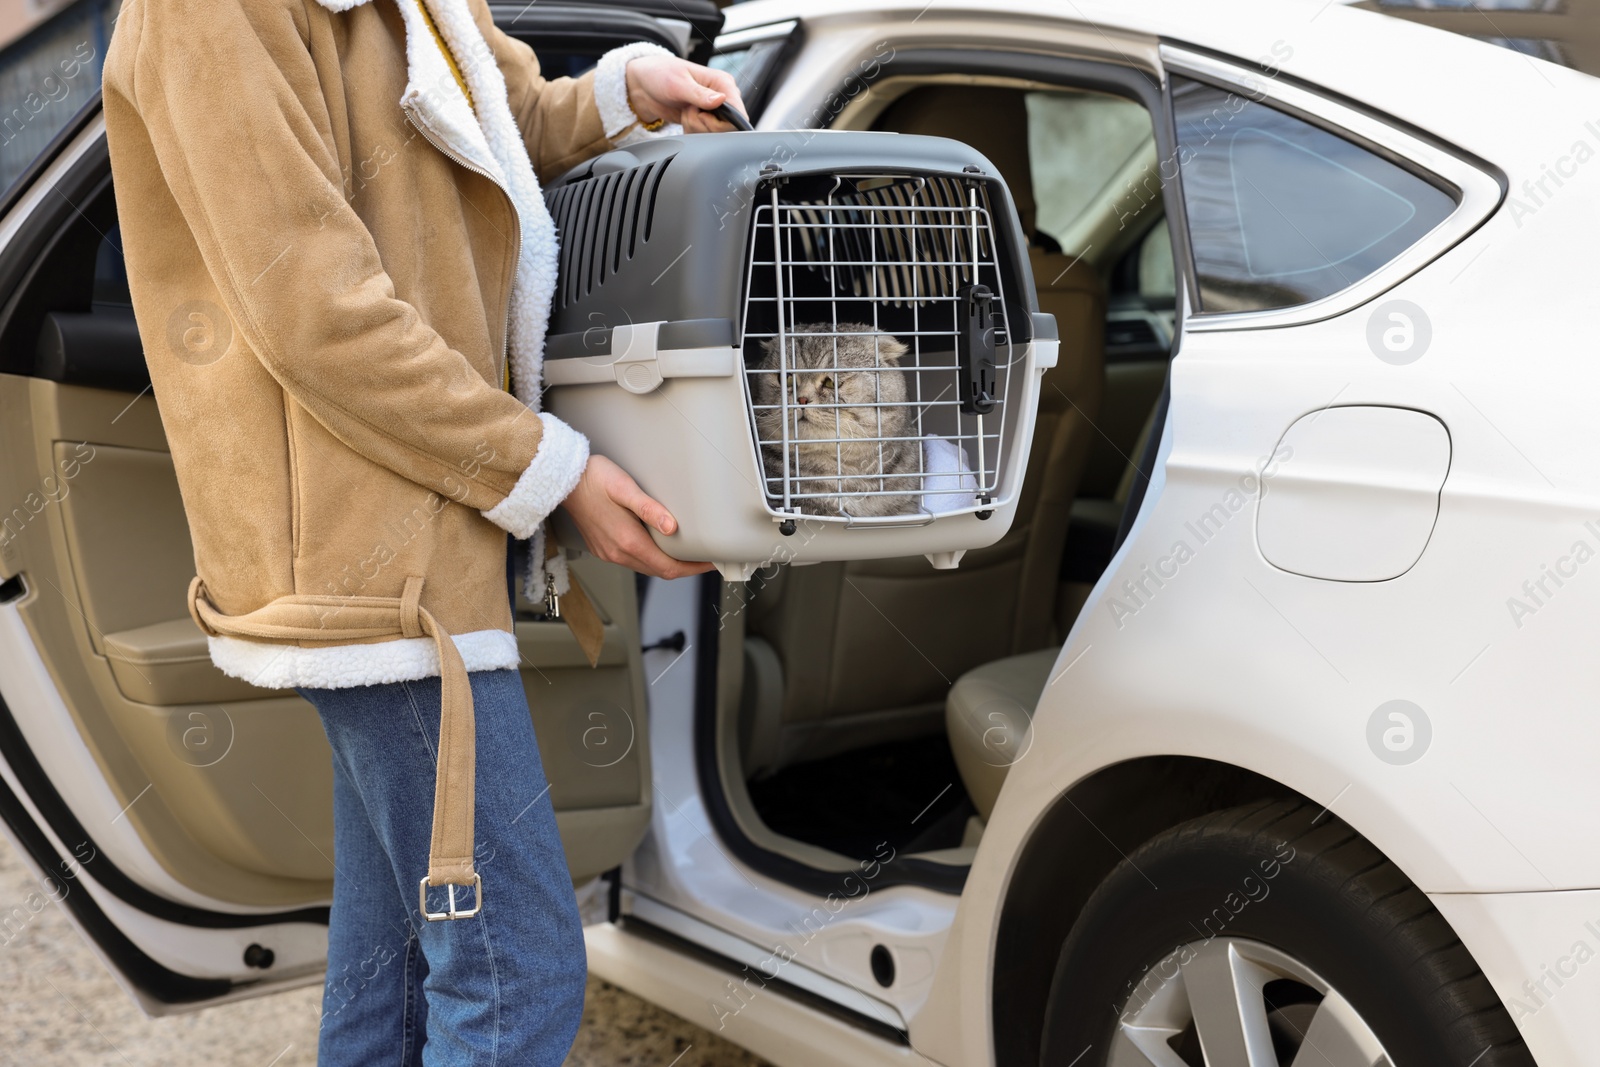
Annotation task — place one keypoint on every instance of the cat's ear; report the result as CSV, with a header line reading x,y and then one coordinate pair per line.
x,y
890,350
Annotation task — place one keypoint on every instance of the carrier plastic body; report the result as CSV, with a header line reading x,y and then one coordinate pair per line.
x,y
809,346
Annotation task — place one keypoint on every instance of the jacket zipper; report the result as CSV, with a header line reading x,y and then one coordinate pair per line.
x,y
421,126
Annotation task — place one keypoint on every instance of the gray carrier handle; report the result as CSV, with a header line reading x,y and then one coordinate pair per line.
x,y
639,356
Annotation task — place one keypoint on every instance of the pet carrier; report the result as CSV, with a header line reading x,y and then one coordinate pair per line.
x,y
809,346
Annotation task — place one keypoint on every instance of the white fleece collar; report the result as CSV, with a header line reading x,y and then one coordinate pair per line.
x,y
536,267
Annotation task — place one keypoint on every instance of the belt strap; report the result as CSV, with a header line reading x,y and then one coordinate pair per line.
x,y
335,620
578,611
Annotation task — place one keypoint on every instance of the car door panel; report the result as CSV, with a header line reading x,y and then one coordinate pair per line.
x,y
208,794
157,761
244,772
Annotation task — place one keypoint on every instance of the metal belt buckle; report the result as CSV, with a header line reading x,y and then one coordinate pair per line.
x,y
452,912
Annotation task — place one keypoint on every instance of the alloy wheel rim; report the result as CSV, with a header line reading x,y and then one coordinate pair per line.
x,y
1231,1002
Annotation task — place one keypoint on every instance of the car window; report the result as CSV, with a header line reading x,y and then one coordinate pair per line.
x,y
747,62
1069,182
46,77
1282,212
753,63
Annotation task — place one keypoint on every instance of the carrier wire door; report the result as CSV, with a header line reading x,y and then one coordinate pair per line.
x,y
877,353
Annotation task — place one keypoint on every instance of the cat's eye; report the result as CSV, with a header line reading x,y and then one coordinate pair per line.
x,y
827,383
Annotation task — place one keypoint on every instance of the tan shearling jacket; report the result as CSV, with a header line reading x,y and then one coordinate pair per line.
x,y
334,253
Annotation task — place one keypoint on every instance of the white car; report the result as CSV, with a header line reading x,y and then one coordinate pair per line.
x,y
1266,736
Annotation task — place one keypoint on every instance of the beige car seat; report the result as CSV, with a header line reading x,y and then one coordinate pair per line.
x,y
989,713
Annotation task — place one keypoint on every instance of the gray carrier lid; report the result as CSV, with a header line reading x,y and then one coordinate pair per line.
x,y
658,232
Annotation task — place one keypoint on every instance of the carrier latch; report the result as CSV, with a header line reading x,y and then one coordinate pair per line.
x,y
975,348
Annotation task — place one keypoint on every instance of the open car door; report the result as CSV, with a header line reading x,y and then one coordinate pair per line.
x,y
181,817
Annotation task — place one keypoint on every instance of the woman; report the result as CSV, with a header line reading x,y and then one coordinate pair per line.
x,y
340,259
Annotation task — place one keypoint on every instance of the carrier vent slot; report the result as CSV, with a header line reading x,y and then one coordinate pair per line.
x,y
625,212
654,182
595,253
601,224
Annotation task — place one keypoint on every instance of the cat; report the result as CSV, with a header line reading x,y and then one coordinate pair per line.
x,y
846,455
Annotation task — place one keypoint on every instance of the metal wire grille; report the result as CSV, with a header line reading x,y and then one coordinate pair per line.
x,y
842,277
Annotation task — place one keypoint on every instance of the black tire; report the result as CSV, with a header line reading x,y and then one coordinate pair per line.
x,y
1336,904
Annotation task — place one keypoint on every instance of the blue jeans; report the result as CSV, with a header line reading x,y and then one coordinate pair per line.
x,y
505,987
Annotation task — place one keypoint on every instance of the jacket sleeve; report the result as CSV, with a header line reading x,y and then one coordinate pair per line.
x,y
233,107
565,121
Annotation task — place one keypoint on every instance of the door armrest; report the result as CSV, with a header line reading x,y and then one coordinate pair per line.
x,y
168,663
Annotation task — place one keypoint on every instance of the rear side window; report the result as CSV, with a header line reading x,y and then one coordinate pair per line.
x,y
1282,212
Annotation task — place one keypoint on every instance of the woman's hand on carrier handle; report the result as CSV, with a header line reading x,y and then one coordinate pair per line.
x,y
675,90
611,512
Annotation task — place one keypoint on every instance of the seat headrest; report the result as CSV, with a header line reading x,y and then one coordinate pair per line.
x,y
992,119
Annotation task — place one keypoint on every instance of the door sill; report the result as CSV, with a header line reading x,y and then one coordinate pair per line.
x,y
781,1023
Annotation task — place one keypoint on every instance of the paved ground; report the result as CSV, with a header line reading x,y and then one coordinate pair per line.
x,y
59,1008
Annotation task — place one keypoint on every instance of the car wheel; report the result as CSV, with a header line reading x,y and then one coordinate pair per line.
x,y
1271,935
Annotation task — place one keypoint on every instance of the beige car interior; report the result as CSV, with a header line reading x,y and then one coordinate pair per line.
x,y
826,662
230,785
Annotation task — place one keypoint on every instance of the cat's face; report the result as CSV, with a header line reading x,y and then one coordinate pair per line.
x,y
837,391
